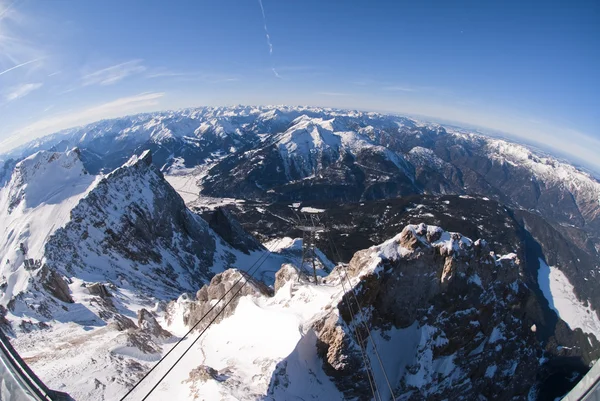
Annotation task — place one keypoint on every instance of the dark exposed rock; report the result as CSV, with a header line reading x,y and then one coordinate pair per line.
x,y
121,323
356,226
205,373
143,341
148,323
471,311
133,215
221,221
53,282
5,324
99,289
341,356
229,282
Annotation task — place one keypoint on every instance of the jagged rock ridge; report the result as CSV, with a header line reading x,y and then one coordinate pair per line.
x,y
451,319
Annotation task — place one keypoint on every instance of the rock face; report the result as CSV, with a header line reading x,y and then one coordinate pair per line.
x,y
303,153
286,274
225,284
99,290
356,226
89,252
231,231
134,228
314,158
458,317
450,317
55,284
147,322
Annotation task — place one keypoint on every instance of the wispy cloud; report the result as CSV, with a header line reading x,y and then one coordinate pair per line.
x,y
18,66
208,77
217,80
17,44
5,9
167,74
396,88
115,108
276,73
20,91
112,75
334,94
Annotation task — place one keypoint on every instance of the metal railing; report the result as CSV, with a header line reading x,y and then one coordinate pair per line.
x,y
588,388
17,380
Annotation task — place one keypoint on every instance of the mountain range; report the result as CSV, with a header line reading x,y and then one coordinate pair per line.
x,y
469,259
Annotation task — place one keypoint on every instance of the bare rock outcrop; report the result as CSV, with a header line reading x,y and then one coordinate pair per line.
x,y
148,323
55,284
285,274
224,284
461,306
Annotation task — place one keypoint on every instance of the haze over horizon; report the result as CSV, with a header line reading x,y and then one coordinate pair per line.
x,y
529,70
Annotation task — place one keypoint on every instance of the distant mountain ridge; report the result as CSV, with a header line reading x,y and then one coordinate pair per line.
x,y
96,239
285,153
311,140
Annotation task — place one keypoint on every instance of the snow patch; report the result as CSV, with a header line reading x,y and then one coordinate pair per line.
x,y
560,294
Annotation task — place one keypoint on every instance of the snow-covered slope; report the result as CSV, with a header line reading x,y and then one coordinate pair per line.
x,y
36,202
299,343
353,143
552,174
560,295
84,254
311,142
441,308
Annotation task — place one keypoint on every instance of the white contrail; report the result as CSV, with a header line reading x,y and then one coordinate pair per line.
x,y
7,9
262,9
266,29
18,66
270,45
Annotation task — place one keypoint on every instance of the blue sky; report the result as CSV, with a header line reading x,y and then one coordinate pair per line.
x,y
523,67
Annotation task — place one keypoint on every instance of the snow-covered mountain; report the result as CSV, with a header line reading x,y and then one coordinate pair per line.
x,y
103,264
83,254
448,318
34,203
304,153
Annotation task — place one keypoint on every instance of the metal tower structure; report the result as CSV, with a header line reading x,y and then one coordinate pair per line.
x,y
309,233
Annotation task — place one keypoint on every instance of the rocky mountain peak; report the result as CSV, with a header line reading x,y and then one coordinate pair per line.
x,y
189,310
134,224
461,315
144,158
41,174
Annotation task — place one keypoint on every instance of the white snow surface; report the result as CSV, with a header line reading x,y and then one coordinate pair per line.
x,y
308,209
186,186
423,156
549,170
47,186
39,199
265,350
262,336
560,294
391,249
